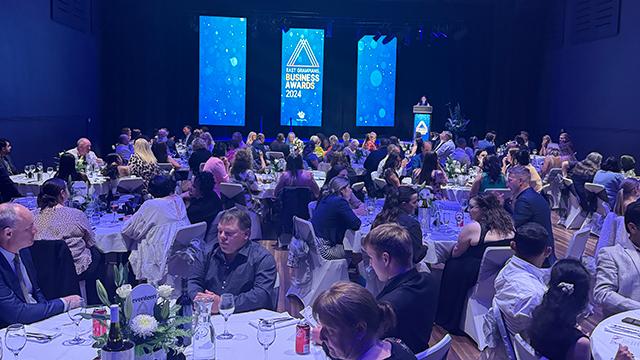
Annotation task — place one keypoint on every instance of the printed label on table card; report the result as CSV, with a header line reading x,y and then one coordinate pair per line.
x,y
143,300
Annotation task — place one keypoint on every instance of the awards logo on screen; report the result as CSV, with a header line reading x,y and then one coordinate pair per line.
x,y
302,60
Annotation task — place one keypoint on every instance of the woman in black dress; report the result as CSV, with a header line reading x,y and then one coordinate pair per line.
x,y
491,226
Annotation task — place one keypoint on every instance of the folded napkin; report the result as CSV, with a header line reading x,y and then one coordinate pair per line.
x,y
37,334
280,321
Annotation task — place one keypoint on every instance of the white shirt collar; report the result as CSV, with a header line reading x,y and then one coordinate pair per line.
x,y
529,267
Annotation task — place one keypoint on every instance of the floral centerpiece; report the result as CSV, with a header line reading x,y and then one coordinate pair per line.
x,y
360,155
456,123
297,147
149,333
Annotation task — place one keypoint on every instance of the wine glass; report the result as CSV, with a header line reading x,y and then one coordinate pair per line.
x,y
226,308
32,169
50,172
114,210
266,335
39,166
76,316
15,338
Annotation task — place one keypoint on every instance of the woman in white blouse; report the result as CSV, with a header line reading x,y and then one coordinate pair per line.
x,y
152,229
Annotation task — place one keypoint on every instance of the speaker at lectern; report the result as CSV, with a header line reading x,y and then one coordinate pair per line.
x,y
422,121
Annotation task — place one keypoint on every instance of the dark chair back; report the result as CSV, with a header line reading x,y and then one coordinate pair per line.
x,y
294,201
55,268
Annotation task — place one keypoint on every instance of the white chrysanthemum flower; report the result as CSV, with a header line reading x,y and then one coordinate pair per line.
x,y
165,291
144,325
124,291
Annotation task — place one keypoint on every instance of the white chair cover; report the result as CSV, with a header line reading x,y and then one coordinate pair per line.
x,y
438,351
312,207
524,351
481,294
182,254
130,184
357,186
576,217
504,333
607,233
578,243
555,187
313,273
230,190
275,155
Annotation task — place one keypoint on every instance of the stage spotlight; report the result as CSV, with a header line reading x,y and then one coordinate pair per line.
x,y
377,36
387,39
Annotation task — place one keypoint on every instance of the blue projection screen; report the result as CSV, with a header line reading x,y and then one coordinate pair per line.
x,y
301,93
376,82
223,55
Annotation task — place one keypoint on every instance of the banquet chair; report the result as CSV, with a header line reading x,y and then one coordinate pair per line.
x,y
524,351
602,209
553,188
230,190
129,185
272,155
504,333
55,269
256,227
578,243
312,207
275,294
607,233
187,241
357,186
312,274
439,351
576,216
481,294
201,168
167,167
506,193
293,201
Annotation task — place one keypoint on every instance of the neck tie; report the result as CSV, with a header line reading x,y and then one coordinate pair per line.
x,y
23,285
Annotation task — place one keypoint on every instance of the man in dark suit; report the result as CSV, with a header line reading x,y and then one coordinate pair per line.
x,y
188,135
5,158
8,189
412,295
234,265
21,300
279,145
529,205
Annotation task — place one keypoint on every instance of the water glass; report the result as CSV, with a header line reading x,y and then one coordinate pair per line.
x,y
15,338
50,172
39,167
76,317
226,308
266,335
114,210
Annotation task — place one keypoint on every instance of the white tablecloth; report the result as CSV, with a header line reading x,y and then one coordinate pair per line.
x,y
604,344
457,193
243,346
109,235
25,185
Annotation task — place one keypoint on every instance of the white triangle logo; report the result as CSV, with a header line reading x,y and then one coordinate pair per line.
x,y
303,44
422,128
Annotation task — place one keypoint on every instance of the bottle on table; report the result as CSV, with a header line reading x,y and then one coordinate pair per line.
x,y
117,347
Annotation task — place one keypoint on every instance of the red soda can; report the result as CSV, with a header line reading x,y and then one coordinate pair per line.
x,y
99,328
303,336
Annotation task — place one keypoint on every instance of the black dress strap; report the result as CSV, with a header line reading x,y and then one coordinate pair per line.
x,y
483,233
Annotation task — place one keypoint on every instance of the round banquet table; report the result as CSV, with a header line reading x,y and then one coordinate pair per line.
x,y
25,185
108,234
606,337
457,193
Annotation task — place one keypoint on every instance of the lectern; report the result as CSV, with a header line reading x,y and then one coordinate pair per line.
x,y
422,121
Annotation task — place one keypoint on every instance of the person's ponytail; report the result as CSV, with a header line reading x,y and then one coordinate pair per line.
x,y
387,319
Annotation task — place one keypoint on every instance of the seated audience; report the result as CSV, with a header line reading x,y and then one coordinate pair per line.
x,y
488,143
546,140
241,171
163,137
8,189
372,162
352,324
523,158
583,172
199,156
279,145
431,173
5,158
317,146
251,137
153,227
208,140
59,222
346,138
491,177
629,192
391,170
355,203
115,167
67,169
310,156
188,135
552,159
529,205
491,226
567,152
611,178
22,300
521,284
333,217
420,148
479,157
295,175
554,331
445,148
204,203
529,145
628,165
459,154
291,138
392,149
236,138
218,165
124,148
160,151
617,287
411,294
350,150
83,152
399,208
143,163
369,143
235,265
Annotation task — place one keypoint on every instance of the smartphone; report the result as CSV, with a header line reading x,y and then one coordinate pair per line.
x,y
632,321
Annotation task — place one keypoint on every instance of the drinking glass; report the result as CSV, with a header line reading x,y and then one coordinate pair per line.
x,y
266,335
226,308
32,168
76,316
50,172
15,338
39,166
114,210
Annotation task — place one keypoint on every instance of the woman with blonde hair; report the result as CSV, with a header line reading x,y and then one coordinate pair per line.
x,y
629,192
143,163
251,138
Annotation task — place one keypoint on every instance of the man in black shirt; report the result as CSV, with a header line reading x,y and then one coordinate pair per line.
x,y
411,294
